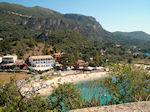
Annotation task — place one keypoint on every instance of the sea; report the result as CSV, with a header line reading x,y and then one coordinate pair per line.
x,y
148,54
94,88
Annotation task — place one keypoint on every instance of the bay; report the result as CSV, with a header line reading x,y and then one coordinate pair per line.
x,y
95,88
148,54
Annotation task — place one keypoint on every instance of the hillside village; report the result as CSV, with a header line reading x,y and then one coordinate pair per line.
x,y
39,63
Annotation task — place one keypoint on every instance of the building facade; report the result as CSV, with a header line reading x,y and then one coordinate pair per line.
x,y
80,64
9,59
1,39
11,62
1,59
41,63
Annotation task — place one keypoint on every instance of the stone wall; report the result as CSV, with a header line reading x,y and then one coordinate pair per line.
x,y
127,107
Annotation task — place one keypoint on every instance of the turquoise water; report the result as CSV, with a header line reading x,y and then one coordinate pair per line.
x,y
148,54
96,89
90,89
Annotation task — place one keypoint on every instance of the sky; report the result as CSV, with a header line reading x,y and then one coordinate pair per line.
x,y
113,15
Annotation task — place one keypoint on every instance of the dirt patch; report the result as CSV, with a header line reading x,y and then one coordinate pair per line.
x,y
37,50
5,76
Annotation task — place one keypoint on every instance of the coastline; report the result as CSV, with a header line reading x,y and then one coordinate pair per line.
x,y
74,78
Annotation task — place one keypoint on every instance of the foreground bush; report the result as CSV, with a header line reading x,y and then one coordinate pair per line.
x,y
64,98
11,100
127,84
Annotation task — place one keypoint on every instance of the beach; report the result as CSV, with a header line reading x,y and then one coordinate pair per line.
x,y
44,88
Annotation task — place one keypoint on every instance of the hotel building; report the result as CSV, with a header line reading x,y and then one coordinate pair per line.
x,y
11,62
41,63
9,59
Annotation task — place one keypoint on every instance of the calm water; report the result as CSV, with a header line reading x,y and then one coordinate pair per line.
x,y
148,54
90,89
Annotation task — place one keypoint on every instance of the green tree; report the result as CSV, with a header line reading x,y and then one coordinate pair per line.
x,y
64,98
77,55
67,59
11,99
96,59
87,58
127,84
130,60
45,50
101,61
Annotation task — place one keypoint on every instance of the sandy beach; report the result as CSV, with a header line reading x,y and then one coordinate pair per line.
x,y
45,87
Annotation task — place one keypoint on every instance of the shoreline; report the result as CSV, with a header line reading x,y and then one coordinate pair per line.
x,y
46,87
75,78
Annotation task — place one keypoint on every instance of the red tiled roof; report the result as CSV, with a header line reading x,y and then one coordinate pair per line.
x,y
80,61
118,45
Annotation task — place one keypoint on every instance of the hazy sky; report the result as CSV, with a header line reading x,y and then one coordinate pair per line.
x,y
113,15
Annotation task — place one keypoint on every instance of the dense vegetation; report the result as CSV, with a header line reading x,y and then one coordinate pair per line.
x,y
11,100
136,39
128,83
19,46
64,98
68,42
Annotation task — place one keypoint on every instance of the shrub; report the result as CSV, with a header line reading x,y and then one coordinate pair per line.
x,y
11,100
128,83
64,98
50,77
29,72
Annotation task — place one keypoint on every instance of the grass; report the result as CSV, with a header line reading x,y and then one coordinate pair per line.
x,y
5,76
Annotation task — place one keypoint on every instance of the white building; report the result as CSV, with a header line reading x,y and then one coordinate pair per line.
x,y
41,63
11,62
9,59
1,39
0,59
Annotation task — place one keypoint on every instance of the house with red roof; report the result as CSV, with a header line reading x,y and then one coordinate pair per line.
x,y
80,64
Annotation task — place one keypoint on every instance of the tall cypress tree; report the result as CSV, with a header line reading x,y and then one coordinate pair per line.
x,y
96,59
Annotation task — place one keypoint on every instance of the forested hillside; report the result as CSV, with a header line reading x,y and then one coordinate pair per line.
x,y
138,38
72,33
41,19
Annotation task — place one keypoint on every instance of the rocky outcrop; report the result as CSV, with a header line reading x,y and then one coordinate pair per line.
x,y
38,18
127,107
42,19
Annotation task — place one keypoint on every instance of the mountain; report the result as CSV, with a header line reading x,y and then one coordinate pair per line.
x,y
30,11
20,21
137,38
37,18
134,35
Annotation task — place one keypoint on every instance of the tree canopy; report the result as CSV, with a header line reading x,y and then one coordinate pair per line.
x,y
128,83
